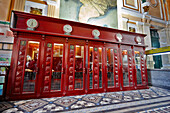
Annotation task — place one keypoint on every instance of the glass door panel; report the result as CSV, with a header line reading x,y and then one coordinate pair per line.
x,y
112,67
100,67
95,68
110,70
57,67
76,68
31,66
91,68
138,67
79,58
125,68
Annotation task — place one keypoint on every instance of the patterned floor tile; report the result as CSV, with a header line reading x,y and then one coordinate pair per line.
x,y
92,102
105,101
5,105
115,96
148,93
51,99
167,109
160,91
92,98
13,110
81,104
133,95
101,94
49,108
65,101
116,101
79,96
32,105
127,98
20,102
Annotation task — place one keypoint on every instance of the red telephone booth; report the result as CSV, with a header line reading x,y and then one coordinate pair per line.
x,y
54,57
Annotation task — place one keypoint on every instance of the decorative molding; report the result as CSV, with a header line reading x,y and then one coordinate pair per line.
x,y
51,10
125,19
132,25
138,14
161,12
145,7
38,1
51,2
19,5
130,6
29,4
154,5
139,23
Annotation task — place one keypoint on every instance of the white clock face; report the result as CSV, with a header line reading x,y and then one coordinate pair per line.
x,y
67,28
96,33
138,39
119,37
32,23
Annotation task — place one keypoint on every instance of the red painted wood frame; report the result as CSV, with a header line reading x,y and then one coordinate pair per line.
x,y
95,70
48,60
142,68
43,79
72,72
127,67
18,61
115,51
102,62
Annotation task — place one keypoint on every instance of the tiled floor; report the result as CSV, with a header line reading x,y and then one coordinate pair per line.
x,y
152,100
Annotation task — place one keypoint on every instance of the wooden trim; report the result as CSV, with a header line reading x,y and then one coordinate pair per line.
x,y
11,7
78,37
38,1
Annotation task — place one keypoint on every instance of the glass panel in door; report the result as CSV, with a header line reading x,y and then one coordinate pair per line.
x,y
110,71
91,68
100,67
76,67
79,58
95,68
125,68
138,67
57,67
31,66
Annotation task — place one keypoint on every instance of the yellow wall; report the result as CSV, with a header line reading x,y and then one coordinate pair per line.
x,y
155,11
4,9
130,2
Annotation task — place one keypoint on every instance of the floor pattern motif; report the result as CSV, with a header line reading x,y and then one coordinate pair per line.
x,y
150,100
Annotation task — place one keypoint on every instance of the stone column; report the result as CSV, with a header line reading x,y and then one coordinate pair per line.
x,y
146,30
164,35
139,27
53,8
19,5
124,24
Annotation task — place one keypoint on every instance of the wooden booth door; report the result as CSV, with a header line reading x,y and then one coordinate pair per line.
x,y
27,68
75,66
127,66
53,67
95,71
140,67
112,73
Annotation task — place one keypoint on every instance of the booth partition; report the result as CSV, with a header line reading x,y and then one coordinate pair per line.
x,y
53,57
